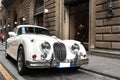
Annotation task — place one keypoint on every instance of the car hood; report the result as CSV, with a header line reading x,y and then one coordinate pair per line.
x,y
43,38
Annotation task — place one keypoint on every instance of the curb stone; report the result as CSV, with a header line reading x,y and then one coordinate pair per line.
x,y
101,73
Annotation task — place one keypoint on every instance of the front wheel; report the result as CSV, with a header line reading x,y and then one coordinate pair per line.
x,y
21,62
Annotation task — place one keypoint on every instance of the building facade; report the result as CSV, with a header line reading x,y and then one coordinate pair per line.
x,y
96,23
107,37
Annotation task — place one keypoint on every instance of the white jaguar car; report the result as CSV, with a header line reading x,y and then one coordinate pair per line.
x,y
34,47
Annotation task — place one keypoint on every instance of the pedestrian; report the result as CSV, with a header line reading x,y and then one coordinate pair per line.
x,y
80,36
2,37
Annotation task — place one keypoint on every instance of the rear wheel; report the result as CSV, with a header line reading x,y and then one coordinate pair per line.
x,y
21,61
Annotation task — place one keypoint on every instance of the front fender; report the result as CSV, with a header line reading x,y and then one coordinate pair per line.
x,y
32,47
27,45
69,43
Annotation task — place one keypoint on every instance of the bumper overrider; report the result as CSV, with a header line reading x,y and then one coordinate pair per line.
x,y
56,63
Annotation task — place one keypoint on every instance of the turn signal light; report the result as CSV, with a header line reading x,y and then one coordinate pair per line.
x,y
34,56
84,55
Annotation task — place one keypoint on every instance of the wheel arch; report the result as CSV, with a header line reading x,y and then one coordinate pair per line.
x,y
24,45
19,48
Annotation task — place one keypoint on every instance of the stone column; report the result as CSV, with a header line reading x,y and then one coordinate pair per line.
x,y
92,23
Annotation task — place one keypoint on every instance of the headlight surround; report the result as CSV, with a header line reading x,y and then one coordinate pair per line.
x,y
75,48
45,47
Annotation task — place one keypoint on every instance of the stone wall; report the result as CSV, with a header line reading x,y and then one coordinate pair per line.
x,y
22,9
107,29
50,17
25,8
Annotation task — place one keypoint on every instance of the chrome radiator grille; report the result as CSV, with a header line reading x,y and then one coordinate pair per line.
x,y
60,51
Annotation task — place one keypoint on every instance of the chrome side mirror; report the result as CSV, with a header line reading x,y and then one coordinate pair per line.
x,y
12,34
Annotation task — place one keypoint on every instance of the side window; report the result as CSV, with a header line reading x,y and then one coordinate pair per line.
x,y
19,31
23,30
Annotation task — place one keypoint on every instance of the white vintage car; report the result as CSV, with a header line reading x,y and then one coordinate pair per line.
x,y
34,47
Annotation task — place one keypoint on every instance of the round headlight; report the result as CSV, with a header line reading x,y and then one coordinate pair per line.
x,y
46,47
75,48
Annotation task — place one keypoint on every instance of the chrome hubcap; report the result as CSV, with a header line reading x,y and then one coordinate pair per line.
x,y
20,63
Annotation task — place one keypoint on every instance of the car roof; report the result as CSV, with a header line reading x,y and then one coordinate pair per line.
x,y
31,26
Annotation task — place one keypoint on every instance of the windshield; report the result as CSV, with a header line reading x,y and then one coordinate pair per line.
x,y
34,30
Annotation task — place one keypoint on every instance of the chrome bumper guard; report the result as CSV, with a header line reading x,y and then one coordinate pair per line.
x,y
54,63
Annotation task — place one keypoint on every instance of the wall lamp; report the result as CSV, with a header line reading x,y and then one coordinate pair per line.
x,y
8,25
23,19
46,11
110,11
15,22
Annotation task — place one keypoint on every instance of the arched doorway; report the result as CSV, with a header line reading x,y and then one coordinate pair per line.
x,y
79,22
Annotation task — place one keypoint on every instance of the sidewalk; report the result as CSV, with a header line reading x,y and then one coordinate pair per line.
x,y
103,65
2,46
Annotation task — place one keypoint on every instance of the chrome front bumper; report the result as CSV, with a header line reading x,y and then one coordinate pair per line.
x,y
54,63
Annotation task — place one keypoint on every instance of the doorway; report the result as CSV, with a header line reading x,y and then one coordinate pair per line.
x,y
79,22
39,19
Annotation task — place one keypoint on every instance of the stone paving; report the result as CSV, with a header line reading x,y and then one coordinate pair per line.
x,y
2,46
103,65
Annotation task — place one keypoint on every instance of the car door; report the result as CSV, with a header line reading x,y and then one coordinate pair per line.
x,y
12,44
16,42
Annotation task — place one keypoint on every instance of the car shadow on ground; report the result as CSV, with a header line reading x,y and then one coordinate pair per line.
x,y
51,74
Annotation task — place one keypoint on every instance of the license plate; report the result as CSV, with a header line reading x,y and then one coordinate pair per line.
x,y
63,65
